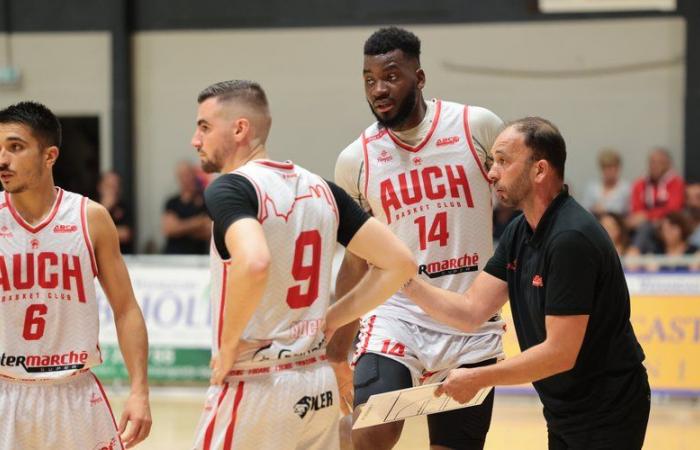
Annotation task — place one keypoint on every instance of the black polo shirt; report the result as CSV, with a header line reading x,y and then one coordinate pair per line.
x,y
569,266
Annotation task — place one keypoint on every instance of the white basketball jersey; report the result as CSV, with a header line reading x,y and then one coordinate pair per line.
x,y
436,197
48,307
299,217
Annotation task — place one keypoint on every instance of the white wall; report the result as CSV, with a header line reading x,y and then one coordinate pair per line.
x,y
68,72
313,79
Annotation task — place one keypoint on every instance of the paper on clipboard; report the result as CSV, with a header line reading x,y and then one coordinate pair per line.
x,y
404,403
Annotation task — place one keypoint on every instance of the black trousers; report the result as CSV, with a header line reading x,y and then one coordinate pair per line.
x,y
624,432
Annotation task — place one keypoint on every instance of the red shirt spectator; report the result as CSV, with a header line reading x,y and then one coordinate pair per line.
x,y
660,192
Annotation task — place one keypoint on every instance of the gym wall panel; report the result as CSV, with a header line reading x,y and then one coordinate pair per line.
x,y
69,72
313,78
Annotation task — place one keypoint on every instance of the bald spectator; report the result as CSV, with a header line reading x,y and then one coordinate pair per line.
x,y
109,192
610,193
185,222
655,195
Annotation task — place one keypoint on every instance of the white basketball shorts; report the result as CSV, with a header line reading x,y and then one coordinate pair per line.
x,y
428,354
67,414
291,409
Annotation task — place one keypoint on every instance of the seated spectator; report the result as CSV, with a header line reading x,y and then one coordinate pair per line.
x,y
615,226
692,206
109,192
655,195
609,193
673,233
185,222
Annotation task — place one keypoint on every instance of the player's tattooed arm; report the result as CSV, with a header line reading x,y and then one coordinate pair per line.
x,y
135,422
467,311
246,244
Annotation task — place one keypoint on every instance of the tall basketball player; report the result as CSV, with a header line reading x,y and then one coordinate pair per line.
x,y
53,243
420,169
275,231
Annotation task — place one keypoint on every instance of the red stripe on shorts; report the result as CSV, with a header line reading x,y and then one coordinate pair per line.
x,y
109,408
365,344
210,428
228,442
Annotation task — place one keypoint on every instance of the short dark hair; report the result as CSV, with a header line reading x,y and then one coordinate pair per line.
x,y
682,221
246,91
43,124
388,39
544,139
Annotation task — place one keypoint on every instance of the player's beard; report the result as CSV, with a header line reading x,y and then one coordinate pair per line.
x,y
210,167
402,115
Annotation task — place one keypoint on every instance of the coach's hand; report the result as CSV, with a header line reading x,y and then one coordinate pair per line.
x,y
343,374
137,413
223,362
460,384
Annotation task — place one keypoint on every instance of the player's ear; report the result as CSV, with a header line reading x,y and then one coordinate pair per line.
x,y
50,156
420,75
241,129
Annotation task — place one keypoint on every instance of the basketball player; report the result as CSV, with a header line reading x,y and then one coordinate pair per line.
x,y
275,231
420,169
53,243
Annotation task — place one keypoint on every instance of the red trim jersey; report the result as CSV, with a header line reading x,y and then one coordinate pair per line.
x,y
299,216
435,196
48,308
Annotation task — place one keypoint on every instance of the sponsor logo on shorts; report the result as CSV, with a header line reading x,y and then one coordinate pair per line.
x,y
108,445
451,266
65,228
313,403
45,363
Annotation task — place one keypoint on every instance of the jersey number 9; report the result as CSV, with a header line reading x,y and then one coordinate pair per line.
x,y
305,272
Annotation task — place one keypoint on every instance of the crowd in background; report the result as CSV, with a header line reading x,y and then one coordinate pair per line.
x,y
658,213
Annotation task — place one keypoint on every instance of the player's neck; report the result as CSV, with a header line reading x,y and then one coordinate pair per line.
x,y
239,159
35,203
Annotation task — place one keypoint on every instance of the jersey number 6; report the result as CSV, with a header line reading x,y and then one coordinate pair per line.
x,y
305,272
34,323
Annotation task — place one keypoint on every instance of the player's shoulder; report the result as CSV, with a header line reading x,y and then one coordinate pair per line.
x,y
480,117
350,158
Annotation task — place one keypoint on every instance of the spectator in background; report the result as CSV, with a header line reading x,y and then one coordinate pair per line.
x,y
692,206
615,225
655,195
185,222
109,192
609,193
673,233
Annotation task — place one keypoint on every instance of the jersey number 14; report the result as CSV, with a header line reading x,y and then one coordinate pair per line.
x,y
437,233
